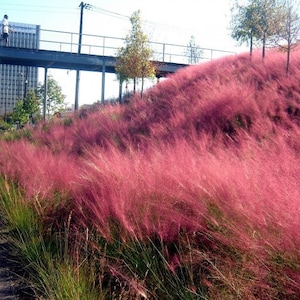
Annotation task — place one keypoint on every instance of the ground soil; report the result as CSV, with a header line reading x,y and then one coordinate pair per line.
x,y
11,285
8,279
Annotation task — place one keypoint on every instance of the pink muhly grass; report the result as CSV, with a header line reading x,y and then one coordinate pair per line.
x,y
210,155
227,95
231,96
37,170
139,194
238,199
258,195
55,136
99,129
74,134
170,188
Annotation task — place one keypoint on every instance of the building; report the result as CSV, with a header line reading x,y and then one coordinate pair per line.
x,y
16,81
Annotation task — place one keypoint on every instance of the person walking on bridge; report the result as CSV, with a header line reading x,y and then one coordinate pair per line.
x,y
5,30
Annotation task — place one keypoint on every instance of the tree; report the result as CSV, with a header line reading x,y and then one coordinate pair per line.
x,y
259,20
193,51
27,110
121,76
289,32
244,24
270,20
55,98
134,59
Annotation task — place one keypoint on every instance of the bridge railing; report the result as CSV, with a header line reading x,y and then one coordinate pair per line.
x,y
109,46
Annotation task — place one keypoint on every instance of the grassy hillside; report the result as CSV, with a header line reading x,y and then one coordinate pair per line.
x,y
223,96
189,193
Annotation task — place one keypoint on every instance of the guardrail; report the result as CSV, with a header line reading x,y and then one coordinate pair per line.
x,y
108,46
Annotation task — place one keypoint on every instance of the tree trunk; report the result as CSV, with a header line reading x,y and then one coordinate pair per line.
x,y
120,91
287,68
264,47
142,88
134,85
251,46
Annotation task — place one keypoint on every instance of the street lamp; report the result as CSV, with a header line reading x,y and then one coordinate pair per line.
x,y
5,103
25,87
25,83
19,85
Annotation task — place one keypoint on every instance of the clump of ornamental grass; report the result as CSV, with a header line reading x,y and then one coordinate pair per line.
x,y
46,267
232,199
40,173
228,95
190,193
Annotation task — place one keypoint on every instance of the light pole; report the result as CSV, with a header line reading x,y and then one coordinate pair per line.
x,y
25,84
82,6
19,85
5,103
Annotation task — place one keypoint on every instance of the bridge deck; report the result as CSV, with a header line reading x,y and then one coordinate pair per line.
x,y
71,61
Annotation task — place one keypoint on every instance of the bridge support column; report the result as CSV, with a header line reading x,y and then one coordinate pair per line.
x,y
103,83
77,90
45,93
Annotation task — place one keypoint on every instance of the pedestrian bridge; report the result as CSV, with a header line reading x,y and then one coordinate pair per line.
x,y
59,49
72,61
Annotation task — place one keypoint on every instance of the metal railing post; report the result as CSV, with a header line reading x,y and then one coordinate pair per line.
x,y
45,93
71,42
103,46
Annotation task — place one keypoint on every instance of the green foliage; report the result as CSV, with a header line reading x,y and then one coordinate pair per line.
x,y
270,19
19,114
150,263
244,22
68,121
129,269
26,110
54,99
31,104
4,125
134,59
258,20
13,135
47,264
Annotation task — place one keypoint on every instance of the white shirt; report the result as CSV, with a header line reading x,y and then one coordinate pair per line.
x,y
5,25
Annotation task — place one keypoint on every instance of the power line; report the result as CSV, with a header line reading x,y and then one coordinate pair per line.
x,y
66,10
125,17
109,13
155,25
37,8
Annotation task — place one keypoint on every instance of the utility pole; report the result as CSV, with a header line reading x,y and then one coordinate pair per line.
x,y
82,6
25,84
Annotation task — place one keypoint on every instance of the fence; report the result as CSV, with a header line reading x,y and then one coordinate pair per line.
x,y
108,46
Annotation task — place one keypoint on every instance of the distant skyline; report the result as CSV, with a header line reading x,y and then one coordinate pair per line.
x,y
163,21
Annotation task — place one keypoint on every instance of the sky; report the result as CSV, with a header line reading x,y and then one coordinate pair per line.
x,y
163,21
